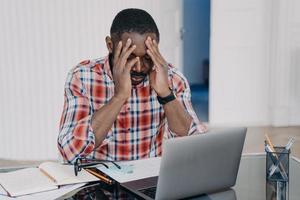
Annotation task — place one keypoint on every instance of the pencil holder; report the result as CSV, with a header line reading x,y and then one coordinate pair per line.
x,y
277,174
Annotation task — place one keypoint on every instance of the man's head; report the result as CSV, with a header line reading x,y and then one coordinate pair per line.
x,y
137,25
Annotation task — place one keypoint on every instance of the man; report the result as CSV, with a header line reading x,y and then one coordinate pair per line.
x,y
120,107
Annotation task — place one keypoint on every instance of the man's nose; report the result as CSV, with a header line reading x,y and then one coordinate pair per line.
x,y
138,66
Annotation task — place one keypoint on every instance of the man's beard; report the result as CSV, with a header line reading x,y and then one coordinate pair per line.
x,y
137,77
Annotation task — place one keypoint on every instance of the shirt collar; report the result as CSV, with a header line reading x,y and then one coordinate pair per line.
x,y
107,67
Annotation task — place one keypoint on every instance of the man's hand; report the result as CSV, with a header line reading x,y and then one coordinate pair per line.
x,y
159,74
121,69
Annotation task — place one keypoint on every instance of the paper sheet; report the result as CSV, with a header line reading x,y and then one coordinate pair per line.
x,y
64,174
133,170
49,195
21,182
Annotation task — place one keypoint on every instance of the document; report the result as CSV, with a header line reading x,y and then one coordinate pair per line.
x,y
47,176
132,170
49,195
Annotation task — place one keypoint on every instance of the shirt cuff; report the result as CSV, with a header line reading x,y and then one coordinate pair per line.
x,y
193,130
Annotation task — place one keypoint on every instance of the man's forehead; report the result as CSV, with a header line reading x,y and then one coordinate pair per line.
x,y
137,38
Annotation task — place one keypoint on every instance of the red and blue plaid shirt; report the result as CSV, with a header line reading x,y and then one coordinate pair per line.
x,y
140,127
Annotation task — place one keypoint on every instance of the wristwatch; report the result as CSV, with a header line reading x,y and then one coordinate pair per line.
x,y
167,99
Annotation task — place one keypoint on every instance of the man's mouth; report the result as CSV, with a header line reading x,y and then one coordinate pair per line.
x,y
137,78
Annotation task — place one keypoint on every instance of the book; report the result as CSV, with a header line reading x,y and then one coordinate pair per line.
x,y
47,176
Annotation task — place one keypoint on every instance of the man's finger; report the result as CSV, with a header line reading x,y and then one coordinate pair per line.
x,y
124,57
117,52
127,45
155,43
153,48
129,51
131,63
155,53
154,59
159,60
156,48
150,45
154,68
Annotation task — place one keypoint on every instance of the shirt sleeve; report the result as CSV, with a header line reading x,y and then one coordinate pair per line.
x,y
182,92
76,137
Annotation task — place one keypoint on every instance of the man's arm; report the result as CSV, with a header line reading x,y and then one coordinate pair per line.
x,y
76,136
104,118
81,132
183,97
179,120
178,111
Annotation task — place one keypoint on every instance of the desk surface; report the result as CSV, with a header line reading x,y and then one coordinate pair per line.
x,y
250,185
254,142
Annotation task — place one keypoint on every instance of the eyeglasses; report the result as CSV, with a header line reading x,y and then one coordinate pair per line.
x,y
81,163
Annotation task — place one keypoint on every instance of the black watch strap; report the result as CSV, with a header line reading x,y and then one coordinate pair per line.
x,y
164,100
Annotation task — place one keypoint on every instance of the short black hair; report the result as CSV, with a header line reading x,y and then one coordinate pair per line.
x,y
132,20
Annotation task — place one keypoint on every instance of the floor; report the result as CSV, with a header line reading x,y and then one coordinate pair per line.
x,y
254,143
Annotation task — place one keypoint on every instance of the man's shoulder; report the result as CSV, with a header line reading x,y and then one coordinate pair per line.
x,y
175,74
89,66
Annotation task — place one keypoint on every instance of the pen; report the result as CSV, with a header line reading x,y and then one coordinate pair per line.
x,y
101,177
289,144
46,174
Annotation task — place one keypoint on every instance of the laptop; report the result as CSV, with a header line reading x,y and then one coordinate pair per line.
x,y
194,165
221,195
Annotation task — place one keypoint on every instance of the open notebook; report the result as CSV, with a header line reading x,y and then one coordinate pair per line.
x,y
47,176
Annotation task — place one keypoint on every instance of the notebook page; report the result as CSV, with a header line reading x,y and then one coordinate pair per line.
x,y
133,170
64,174
25,181
47,195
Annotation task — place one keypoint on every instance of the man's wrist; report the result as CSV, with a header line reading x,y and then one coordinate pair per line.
x,y
164,93
164,100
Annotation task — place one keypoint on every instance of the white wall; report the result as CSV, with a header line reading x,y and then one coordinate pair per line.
x,y
254,77
40,42
254,71
285,63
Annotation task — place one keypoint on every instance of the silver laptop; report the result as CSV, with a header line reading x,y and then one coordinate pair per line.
x,y
194,165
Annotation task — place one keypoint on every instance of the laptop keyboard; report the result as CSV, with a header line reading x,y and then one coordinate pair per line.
x,y
150,192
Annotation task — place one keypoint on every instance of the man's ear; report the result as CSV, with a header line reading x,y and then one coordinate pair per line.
x,y
109,44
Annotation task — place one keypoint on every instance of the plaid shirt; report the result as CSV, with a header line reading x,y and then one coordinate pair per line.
x,y
140,126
